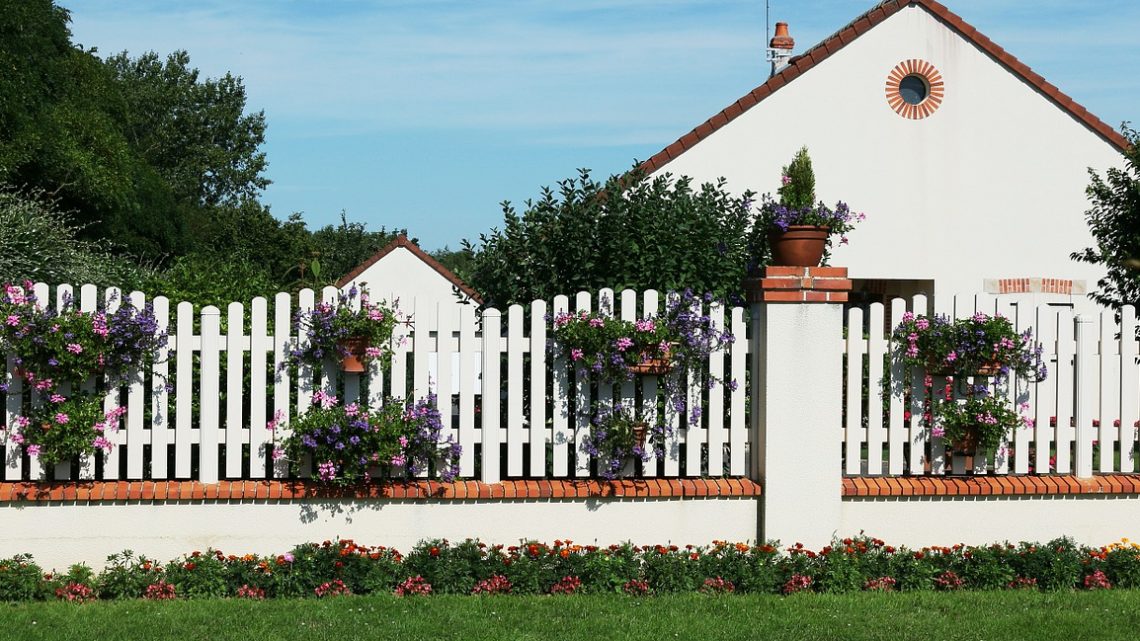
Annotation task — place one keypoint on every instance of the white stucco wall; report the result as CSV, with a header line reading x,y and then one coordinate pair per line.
x,y
60,534
980,520
991,185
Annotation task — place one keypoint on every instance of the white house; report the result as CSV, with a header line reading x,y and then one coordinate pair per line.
x,y
971,168
403,272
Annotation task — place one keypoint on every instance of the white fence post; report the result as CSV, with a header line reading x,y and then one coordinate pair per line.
x,y
797,332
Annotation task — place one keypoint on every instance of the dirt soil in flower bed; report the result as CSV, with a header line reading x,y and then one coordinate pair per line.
x,y
996,615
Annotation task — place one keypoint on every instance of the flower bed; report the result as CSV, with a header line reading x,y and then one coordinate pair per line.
x,y
332,569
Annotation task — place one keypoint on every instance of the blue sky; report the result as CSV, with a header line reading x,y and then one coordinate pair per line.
x,y
426,114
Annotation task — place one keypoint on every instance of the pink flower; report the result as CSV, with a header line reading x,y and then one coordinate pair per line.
x,y
278,454
62,418
951,357
351,409
787,180
645,325
18,439
403,441
326,471
13,320
399,460
375,314
75,348
623,343
101,443
324,400
371,352
575,354
57,398
22,422
33,450
597,322
922,323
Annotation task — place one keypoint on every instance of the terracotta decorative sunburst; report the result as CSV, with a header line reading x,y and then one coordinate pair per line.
x,y
914,89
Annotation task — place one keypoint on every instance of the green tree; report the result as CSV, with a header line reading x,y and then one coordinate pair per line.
x,y
625,232
194,132
1114,219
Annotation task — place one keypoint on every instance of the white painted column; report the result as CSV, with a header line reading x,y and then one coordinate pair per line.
x,y
797,320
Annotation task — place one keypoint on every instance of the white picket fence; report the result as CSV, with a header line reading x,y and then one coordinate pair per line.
x,y
1088,404
513,403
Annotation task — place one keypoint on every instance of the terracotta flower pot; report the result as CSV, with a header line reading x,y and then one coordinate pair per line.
x,y
355,347
656,365
639,432
799,246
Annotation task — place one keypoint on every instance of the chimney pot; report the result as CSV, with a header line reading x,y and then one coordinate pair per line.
x,y
782,40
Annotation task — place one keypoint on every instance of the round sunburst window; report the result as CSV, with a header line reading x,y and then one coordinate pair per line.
x,y
914,89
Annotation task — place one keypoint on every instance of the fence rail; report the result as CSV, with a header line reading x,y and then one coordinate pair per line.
x,y
515,406
1082,418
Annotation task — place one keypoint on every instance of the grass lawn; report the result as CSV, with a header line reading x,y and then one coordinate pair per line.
x,y
974,616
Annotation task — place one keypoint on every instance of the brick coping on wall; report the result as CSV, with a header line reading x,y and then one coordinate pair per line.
x,y
104,491
1053,484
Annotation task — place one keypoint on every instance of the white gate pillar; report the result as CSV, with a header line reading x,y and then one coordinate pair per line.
x,y
797,334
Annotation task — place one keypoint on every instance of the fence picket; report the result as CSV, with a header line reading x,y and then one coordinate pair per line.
x,y
1129,387
876,350
136,398
582,409
562,435
282,343
114,433
738,430
208,426
161,433
538,432
897,434
918,434
183,389
468,357
1108,383
1086,366
259,347
492,341
515,430
715,431
1063,385
853,429
1045,392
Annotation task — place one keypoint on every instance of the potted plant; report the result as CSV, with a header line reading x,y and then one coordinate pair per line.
x,y
799,228
64,428
614,350
57,346
977,424
986,348
354,335
345,442
981,345
618,435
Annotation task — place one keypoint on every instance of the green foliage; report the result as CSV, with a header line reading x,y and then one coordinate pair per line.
x,y
209,279
1114,220
797,188
626,232
64,430
21,579
198,575
125,576
40,243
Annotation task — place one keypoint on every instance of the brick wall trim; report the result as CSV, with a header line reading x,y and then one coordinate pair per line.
x,y
159,491
1045,485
